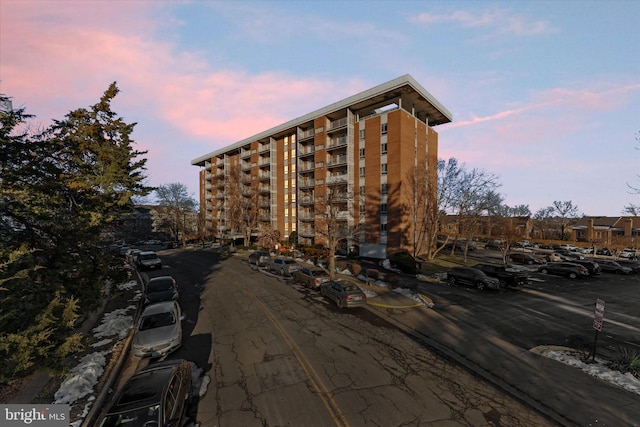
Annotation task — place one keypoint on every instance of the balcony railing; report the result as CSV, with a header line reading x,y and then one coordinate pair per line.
x,y
339,142
337,160
305,183
337,179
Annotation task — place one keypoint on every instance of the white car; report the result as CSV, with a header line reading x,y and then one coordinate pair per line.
x,y
159,330
148,260
629,253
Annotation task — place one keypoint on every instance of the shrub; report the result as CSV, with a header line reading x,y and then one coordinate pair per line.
x,y
405,262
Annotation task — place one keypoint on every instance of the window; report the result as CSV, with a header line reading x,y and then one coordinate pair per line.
x,y
383,228
362,171
384,169
361,133
361,152
362,190
383,148
384,189
384,128
383,208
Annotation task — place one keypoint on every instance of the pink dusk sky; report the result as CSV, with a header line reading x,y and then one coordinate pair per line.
x,y
545,95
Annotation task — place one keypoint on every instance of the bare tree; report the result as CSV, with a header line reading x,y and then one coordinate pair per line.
x,y
177,207
567,212
541,221
438,204
631,208
242,198
475,197
334,220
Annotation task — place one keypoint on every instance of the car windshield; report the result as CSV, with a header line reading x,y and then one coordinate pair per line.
x,y
159,285
289,261
350,287
135,417
157,320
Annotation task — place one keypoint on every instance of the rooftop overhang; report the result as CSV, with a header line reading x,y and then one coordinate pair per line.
x,y
403,91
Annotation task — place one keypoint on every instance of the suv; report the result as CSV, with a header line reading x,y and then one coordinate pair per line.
x,y
283,266
506,277
471,276
148,261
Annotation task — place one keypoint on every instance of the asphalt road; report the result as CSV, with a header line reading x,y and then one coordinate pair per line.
x,y
279,354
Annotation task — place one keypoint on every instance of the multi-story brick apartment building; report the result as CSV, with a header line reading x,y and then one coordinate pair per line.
x,y
364,148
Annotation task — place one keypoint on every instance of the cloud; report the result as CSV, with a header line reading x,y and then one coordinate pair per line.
x,y
567,99
501,21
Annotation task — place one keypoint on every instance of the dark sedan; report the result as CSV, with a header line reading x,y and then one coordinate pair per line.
x,y
524,258
156,396
159,289
344,293
567,269
610,266
506,276
471,277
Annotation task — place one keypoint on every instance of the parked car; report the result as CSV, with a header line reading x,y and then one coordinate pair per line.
x,y
629,253
570,255
132,255
158,395
610,266
160,289
525,258
569,247
633,265
149,260
494,244
123,251
549,256
259,258
506,276
471,277
604,252
283,266
592,266
344,293
311,277
159,330
564,268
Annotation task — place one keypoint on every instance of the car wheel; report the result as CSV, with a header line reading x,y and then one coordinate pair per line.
x,y
452,280
339,303
529,262
480,286
544,271
572,275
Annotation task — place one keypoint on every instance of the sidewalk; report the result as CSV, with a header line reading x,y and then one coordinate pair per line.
x,y
565,394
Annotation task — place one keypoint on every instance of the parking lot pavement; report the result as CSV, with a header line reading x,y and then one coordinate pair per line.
x,y
565,394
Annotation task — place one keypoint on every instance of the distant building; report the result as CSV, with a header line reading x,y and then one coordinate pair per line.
x,y
367,144
608,231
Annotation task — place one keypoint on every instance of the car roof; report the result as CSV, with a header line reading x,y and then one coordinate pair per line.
x,y
144,388
148,253
162,279
159,307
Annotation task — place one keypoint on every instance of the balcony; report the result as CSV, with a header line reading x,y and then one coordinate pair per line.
x,y
264,162
264,189
338,142
306,166
337,179
306,216
306,183
306,134
337,125
339,160
264,148
305,201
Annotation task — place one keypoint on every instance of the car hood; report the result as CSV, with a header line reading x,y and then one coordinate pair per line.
x,y
155,336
